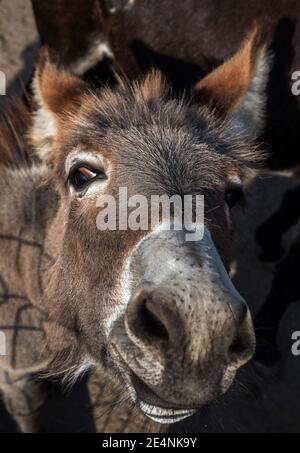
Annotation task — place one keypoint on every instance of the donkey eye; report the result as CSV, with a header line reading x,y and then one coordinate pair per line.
x,y
234,195
82,175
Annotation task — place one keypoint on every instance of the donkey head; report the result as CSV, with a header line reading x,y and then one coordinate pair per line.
x,y
158,311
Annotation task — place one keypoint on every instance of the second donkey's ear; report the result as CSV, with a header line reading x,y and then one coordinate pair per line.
x,y
237,88
56,93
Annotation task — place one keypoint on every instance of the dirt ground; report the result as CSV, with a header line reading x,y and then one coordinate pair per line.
x,y
262,400
18,42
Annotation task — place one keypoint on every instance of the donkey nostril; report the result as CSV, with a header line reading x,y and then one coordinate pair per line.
x,y
148,315
237,347
151,323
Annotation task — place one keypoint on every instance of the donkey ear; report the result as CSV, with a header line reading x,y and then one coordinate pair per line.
x,y
237,88
56,93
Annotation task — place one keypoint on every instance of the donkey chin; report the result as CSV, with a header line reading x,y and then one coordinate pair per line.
x,y
184,331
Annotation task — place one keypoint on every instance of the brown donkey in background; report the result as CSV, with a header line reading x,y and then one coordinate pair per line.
x,y
155,312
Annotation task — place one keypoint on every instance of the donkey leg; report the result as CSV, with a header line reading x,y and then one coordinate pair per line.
x,y
23,397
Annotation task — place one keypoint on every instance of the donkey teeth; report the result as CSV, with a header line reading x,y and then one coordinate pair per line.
x,y
164,416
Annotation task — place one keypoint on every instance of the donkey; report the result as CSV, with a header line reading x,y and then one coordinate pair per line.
x,y
184,39
155,312
78,31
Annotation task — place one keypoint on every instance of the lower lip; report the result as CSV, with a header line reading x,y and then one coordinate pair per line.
x,y
161,418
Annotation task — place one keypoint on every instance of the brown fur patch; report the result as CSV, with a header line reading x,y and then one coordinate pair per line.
x,y
55,88
152,87
228,83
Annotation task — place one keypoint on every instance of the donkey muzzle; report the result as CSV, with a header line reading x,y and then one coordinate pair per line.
x,y
186,329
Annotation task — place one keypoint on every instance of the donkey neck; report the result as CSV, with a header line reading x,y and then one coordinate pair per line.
x,y
27,208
